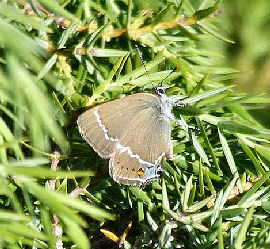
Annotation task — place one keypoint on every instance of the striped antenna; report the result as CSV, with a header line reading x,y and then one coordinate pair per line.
x,y
140,54
160,84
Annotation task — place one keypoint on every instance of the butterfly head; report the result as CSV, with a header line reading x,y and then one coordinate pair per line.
x,y
159,90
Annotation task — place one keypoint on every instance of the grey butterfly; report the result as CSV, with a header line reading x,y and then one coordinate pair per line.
x,y
134,132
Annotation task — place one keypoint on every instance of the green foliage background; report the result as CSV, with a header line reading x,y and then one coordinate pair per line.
x,y
57,58
250,53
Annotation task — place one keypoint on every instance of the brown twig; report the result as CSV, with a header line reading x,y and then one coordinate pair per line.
x,y
78,191
133,32
57,228
54,165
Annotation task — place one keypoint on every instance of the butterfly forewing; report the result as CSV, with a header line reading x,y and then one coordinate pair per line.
x,y
104,125
139,152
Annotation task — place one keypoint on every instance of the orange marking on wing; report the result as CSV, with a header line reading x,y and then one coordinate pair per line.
x,y
140,172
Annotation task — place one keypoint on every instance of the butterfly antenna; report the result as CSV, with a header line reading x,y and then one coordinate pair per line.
x,y
160,84
140,54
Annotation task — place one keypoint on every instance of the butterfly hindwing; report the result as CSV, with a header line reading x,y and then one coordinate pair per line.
x,y
138,154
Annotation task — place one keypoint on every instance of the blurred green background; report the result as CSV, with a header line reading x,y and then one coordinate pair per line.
x,y
247,23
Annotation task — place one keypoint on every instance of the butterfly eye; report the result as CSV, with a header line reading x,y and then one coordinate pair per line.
x,y
160,90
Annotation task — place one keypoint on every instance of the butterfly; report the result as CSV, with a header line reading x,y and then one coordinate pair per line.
x,y
134,132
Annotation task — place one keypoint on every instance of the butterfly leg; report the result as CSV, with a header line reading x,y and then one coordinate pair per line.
x,y
183,124
177,101
181,104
